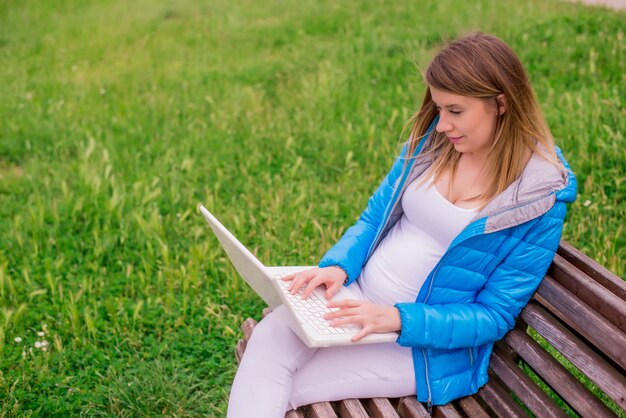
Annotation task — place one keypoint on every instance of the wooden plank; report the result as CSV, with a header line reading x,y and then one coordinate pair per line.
x,y
446,411
352,408
555,375
523,386
380,408
602,333
294,414
500,401
611,381
593,269
247,327
322,410
601,299
409,407
471,407
239,350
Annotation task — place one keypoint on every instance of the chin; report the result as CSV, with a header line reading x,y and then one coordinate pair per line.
x,y
459,147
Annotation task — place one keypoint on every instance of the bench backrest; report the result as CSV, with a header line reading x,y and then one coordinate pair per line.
x,y
572,331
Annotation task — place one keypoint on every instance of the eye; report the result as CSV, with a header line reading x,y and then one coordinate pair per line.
x,y
455,112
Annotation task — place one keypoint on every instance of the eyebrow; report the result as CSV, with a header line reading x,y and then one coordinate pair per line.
x,y
448,106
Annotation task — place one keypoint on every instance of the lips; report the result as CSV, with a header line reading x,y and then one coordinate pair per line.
x,y
454,139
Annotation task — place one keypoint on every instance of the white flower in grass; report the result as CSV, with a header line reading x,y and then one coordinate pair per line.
x,y
41,333
41,344
587,203
17,340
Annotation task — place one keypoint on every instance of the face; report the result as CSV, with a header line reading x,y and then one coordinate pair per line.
x,y
468,122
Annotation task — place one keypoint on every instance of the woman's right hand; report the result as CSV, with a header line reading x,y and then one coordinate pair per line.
x,y
333,277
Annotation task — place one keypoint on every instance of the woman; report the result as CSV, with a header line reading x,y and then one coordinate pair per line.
x,y
450,248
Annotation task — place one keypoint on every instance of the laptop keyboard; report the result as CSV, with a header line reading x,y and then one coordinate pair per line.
x,y
313,309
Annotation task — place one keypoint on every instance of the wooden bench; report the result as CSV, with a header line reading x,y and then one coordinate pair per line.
x,y
577,317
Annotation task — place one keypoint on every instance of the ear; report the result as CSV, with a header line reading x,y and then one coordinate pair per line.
x,y
502,104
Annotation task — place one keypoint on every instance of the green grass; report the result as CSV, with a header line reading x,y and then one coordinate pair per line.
x,y
118,118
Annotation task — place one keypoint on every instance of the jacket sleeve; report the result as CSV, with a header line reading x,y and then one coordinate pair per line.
x,y
505,293
350,251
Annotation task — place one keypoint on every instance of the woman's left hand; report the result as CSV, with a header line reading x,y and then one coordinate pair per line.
x,y
372,317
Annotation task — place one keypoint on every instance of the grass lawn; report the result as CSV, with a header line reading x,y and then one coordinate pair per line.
x,y
117,118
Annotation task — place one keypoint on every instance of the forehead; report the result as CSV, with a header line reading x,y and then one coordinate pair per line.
x,y
444,98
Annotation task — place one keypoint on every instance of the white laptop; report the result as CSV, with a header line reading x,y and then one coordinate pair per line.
x,y
305,315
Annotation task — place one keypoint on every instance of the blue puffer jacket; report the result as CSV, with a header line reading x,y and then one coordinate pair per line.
x,y
477,289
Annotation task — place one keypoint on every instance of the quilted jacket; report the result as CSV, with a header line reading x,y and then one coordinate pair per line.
x,y
473,295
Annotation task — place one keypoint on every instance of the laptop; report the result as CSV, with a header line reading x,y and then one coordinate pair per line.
x,y
303,316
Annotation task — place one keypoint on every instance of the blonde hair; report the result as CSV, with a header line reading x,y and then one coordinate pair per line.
x,y
482,66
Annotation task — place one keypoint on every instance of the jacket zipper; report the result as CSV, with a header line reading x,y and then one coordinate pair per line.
x,y
429,404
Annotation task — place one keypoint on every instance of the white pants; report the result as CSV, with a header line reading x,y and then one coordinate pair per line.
x,y
278,372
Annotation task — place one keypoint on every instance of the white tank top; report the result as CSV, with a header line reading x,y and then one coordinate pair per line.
x,y
402,261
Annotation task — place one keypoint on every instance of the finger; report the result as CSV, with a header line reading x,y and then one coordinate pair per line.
x,y
344,303
289,277
340,313
364,332
332,291
350,320
316,281
297,283
303,273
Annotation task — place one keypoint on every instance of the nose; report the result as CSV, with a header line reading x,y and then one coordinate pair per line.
x,y
443,125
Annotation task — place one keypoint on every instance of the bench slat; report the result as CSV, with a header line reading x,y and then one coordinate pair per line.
x,y
246,327
499,400
241,347
606,303
409,407
602,333
593,269
380,408
519,382
446,411
555,375
612,382
471,407
352,408
294,414
322,410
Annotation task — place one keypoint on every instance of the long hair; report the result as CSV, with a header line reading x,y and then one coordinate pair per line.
x,y
484,67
